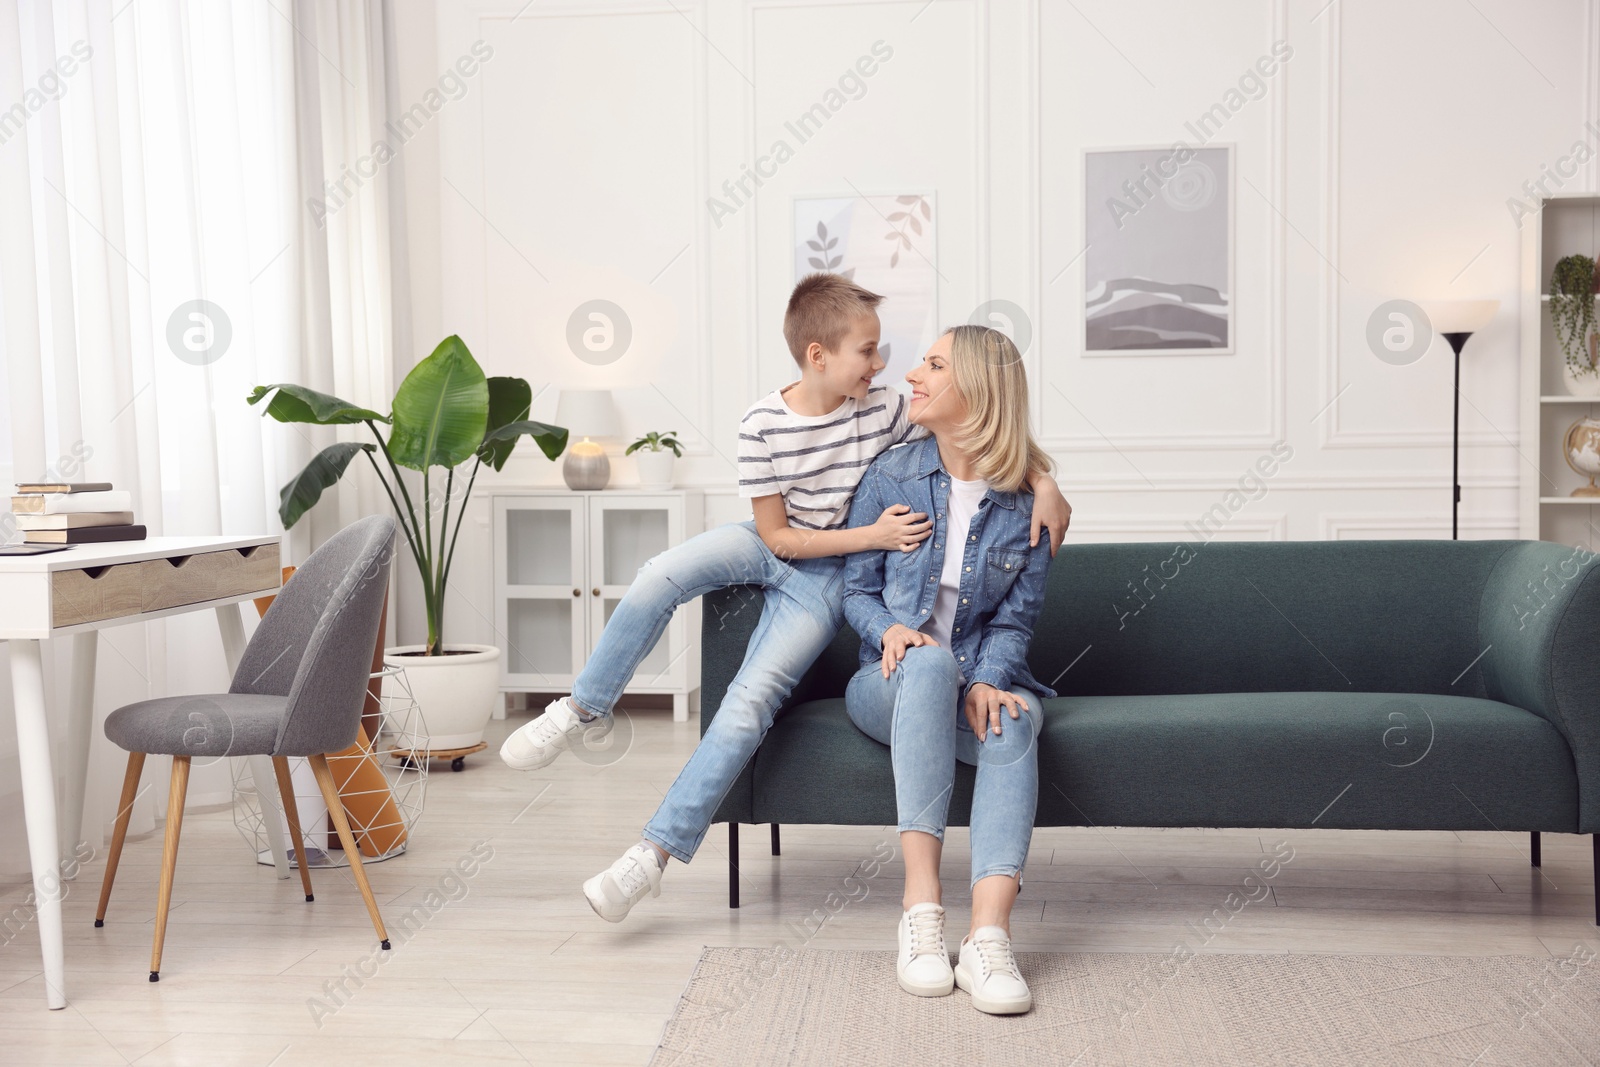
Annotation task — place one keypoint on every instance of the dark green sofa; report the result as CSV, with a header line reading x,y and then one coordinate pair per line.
x,y
1392,685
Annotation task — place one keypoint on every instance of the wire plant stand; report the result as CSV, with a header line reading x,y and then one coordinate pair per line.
x,y
383,787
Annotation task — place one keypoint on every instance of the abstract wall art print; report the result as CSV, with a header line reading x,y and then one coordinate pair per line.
x,y
1158,262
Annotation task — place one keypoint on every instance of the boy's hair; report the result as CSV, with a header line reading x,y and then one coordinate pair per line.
x,y
821,309
989,373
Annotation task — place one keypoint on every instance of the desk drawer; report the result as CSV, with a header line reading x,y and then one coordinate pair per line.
x,y
209,576
96,593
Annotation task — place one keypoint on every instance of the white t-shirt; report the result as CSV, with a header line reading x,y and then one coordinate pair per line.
x,y
816,461
961,507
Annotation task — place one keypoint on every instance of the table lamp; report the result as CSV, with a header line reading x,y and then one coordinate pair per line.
x,y
586,413
1455,321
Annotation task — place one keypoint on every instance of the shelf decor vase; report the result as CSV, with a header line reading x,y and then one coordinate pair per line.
x,y
1586,384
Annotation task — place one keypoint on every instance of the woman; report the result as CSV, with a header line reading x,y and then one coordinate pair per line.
x,y
945,627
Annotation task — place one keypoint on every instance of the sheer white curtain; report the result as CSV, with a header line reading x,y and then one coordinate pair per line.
x,y
153,154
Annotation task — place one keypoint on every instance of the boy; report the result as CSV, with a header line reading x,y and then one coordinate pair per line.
x,y
802,449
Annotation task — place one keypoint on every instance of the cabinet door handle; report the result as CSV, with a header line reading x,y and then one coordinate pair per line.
x,y
577,592
595,591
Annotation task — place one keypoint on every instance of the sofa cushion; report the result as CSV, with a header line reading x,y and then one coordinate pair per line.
x,y
1264,616
1410,761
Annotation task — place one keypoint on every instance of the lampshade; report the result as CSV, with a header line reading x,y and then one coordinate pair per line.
x,y
587,413
1459,316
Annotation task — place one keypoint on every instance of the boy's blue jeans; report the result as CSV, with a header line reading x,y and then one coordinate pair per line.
x,y
802,612
917,711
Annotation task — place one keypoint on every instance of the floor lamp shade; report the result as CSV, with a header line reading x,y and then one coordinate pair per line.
x,y
587,413
1459,316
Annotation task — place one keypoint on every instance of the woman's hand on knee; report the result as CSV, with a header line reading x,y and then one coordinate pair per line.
x,y
984,706
898,638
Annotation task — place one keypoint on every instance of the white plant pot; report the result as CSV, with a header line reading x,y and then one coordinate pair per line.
x,y
655,468
1580,384
456,693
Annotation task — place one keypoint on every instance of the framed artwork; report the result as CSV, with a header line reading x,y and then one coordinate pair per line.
x,y
886,244
1158,263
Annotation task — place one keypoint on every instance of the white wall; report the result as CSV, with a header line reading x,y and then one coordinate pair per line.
x,y
1377,165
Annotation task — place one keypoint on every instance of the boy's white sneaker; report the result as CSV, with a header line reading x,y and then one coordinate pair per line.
x,y
615,890
923,966
988,970
537,743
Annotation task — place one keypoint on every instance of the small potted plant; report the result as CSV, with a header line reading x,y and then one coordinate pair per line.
x,y
1572,314
656,453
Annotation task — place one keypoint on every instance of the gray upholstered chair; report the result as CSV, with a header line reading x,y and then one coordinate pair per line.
x,y
299,691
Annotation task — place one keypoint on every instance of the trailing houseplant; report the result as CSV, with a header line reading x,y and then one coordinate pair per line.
x,y
1572,295
656,449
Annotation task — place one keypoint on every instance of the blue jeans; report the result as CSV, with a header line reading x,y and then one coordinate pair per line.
x,y
918,712
801,614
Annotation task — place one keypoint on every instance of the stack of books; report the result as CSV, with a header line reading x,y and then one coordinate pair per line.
x,y
74,513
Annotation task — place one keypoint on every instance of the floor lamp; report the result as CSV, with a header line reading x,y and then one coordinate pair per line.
x,y
1455,321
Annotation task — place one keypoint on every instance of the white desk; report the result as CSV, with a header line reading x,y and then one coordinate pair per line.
x,y
76,593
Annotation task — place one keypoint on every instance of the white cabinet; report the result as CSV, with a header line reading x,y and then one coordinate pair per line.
x,y
562,562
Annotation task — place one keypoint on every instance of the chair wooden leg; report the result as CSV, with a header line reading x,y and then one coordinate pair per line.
x,y
330,794
280,767
169,857
130,792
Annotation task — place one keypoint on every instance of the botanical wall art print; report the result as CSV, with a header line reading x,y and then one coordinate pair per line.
x,y
886,244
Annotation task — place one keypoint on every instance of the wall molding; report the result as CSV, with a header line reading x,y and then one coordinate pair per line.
x,y
699,344
981,172
1177,527
1334,524
1277,301
1331,435
1210,482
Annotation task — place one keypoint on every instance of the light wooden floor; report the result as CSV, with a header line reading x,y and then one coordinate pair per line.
x,y
519,970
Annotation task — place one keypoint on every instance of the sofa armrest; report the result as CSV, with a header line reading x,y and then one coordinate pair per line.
x,y
728,617
1539,620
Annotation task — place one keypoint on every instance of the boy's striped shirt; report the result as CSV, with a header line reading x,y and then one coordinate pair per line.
x,y
816,461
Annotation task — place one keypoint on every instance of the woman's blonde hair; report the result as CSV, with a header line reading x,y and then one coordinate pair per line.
x,y
989,374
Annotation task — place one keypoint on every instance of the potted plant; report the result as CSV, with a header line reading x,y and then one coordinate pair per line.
x,y
655,461
444,414
1572,296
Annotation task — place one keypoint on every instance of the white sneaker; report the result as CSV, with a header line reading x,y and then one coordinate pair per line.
x,y
988,971
924,963
536,744
614,891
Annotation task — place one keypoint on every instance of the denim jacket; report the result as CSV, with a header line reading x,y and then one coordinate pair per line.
x,y
1002,578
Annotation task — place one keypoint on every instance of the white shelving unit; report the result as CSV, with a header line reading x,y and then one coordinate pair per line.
x,y
562,562
1566,225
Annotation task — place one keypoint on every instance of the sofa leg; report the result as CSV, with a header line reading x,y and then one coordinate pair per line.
x,y
1596,839
775,851
1538,857
733,865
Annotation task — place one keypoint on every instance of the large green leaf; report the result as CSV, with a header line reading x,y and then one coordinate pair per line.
x,y
296,403
440,410
509,401
550,439
301,492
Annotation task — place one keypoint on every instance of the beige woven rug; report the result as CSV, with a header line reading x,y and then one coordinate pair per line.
x,y
757,1006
